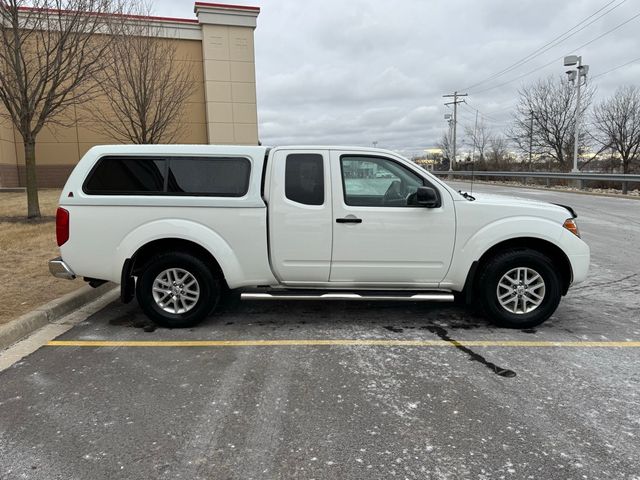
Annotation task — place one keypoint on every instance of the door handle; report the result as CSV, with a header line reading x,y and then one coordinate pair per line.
x,y
349,220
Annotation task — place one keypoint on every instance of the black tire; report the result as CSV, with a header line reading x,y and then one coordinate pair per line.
x,y
504,262
207,282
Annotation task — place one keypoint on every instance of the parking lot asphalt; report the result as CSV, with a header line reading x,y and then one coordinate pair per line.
x,y
334,390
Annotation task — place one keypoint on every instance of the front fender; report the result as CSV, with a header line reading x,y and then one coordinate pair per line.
x,y
470,246
184,230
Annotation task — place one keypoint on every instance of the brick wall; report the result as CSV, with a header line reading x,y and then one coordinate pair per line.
x,y
49,176
9,176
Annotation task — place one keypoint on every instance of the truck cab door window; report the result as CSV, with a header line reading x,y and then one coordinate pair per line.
x,y
304,178
378,182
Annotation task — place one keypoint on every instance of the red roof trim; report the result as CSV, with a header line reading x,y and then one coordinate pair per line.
x,y
133,17
225,5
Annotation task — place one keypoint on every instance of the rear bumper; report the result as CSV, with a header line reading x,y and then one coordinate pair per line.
x,y
59,269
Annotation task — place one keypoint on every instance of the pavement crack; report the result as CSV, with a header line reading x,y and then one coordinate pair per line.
x,y
602,284
475,356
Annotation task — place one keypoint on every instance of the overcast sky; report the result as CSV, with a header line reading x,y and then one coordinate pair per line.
x,y
354,72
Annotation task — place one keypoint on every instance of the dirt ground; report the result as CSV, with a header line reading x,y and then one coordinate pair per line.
x,y
26,246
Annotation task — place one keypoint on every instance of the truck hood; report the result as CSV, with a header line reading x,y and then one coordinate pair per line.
x,y
552,209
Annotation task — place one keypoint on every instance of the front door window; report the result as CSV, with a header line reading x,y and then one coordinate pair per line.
x,y
378,182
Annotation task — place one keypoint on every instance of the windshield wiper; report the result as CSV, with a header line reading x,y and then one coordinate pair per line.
x,y
471,198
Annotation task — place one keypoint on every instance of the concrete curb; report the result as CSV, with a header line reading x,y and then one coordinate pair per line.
x,y
48,313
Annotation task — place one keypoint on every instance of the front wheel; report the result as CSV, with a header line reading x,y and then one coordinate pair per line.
x,y
177,290
519,288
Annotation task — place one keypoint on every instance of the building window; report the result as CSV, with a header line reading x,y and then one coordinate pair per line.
x,y
304,178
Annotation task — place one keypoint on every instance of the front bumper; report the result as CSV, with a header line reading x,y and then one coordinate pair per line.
x,y
579,267
578,253
59,269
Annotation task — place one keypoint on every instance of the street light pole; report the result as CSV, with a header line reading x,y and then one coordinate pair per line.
x,y
577,131
581,71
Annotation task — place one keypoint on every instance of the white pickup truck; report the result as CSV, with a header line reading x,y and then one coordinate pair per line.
x,y
180,226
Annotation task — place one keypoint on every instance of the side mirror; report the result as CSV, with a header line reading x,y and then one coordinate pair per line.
x,y
427,197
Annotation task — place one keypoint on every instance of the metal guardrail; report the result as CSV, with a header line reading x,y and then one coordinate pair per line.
x,y
611,177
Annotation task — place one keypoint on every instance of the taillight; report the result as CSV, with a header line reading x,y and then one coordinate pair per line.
x,y
62,226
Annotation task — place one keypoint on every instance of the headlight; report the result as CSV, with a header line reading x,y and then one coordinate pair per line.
x,y
570,224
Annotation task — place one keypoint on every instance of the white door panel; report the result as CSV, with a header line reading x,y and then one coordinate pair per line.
x,y
390,244
300,235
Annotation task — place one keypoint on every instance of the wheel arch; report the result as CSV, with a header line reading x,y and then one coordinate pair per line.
x,y
133,266
553,251
154,247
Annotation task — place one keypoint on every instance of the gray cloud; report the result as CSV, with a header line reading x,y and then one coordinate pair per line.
x,y
361,71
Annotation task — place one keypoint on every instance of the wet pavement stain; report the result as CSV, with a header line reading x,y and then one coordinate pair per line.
x,y
394,329
125,320
130,319
476,357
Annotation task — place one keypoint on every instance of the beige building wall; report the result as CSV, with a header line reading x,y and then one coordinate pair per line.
x,y
218,48
230,85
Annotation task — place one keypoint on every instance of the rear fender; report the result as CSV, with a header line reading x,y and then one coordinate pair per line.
x,y
183,230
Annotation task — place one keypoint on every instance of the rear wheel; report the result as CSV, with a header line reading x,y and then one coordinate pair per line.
x,y
177,290
519,288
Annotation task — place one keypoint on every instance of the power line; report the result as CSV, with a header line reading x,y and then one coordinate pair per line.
x,y
472,110
616,68
492,121
504,110
562,56
551,44
500,110
483,115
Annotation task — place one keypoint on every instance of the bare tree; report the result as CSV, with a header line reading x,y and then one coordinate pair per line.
x,y
145,87
616,121
49,52
478,138
498,153
446,146
544,121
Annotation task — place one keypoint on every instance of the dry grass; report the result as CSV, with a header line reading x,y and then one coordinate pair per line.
x,y
26,246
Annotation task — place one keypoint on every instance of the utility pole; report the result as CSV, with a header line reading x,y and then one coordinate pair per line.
x,y
530,139
455,103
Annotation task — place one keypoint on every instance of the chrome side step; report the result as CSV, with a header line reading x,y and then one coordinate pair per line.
x,y
418,297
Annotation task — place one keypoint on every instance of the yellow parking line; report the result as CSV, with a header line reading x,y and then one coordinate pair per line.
x,y
336,342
